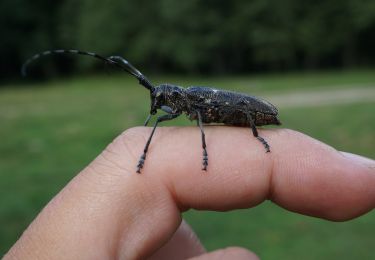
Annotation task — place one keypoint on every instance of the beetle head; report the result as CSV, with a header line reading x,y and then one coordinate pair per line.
x,y
168,95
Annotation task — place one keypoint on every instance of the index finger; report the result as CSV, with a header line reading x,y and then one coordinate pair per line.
x,y
300,174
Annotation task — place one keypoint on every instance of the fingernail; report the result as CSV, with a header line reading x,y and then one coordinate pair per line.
x,y
360,159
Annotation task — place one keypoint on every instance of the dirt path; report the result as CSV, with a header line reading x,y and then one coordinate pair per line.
x,y
322,97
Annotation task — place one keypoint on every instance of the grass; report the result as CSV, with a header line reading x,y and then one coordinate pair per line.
x,y
50,131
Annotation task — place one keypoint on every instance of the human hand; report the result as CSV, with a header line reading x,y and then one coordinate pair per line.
x,y
108,211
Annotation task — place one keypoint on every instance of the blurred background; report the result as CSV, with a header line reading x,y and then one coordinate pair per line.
x,y
315,60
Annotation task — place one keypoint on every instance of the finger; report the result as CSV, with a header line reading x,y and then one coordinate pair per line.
x,y
300,174
236,253
125,215
183,244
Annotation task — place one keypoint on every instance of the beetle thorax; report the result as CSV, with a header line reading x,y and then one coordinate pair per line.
x,y
171,96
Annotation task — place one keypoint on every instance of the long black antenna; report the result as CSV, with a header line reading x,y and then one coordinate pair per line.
x,y
115,60
120,61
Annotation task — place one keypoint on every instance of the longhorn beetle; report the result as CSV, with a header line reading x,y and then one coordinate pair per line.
x,y
204,104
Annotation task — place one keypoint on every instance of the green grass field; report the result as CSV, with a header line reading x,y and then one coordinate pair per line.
x,y
50,131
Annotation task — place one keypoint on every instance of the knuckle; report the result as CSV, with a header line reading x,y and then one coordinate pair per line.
x,y
293,137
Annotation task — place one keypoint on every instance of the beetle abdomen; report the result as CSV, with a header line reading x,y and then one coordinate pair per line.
x,y
230,108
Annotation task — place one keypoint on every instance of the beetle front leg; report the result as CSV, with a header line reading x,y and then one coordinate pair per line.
x,y
158,120
147,120
205,155
255,133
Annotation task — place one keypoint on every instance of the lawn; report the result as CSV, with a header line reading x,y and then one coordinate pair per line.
x,y
50,131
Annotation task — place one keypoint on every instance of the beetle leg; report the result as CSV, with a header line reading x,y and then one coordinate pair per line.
x,y
255,133
158,120
205,155
147,120
167,109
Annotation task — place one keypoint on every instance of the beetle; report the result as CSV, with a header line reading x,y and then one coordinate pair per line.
x,y
204,104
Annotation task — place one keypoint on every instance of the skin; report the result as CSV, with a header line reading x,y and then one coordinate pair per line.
x,y
109,212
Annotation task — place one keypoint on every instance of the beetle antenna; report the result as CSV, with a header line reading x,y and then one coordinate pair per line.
x,y
124,64
49,52
115,60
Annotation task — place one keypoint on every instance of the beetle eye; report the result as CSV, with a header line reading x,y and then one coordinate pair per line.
x,y
175,93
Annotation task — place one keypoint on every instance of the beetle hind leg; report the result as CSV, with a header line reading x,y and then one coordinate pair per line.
x,y
256,135
264,142
205,155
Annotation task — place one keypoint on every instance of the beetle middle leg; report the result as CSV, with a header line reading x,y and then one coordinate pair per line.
x,y
158,120
255,133
205,155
